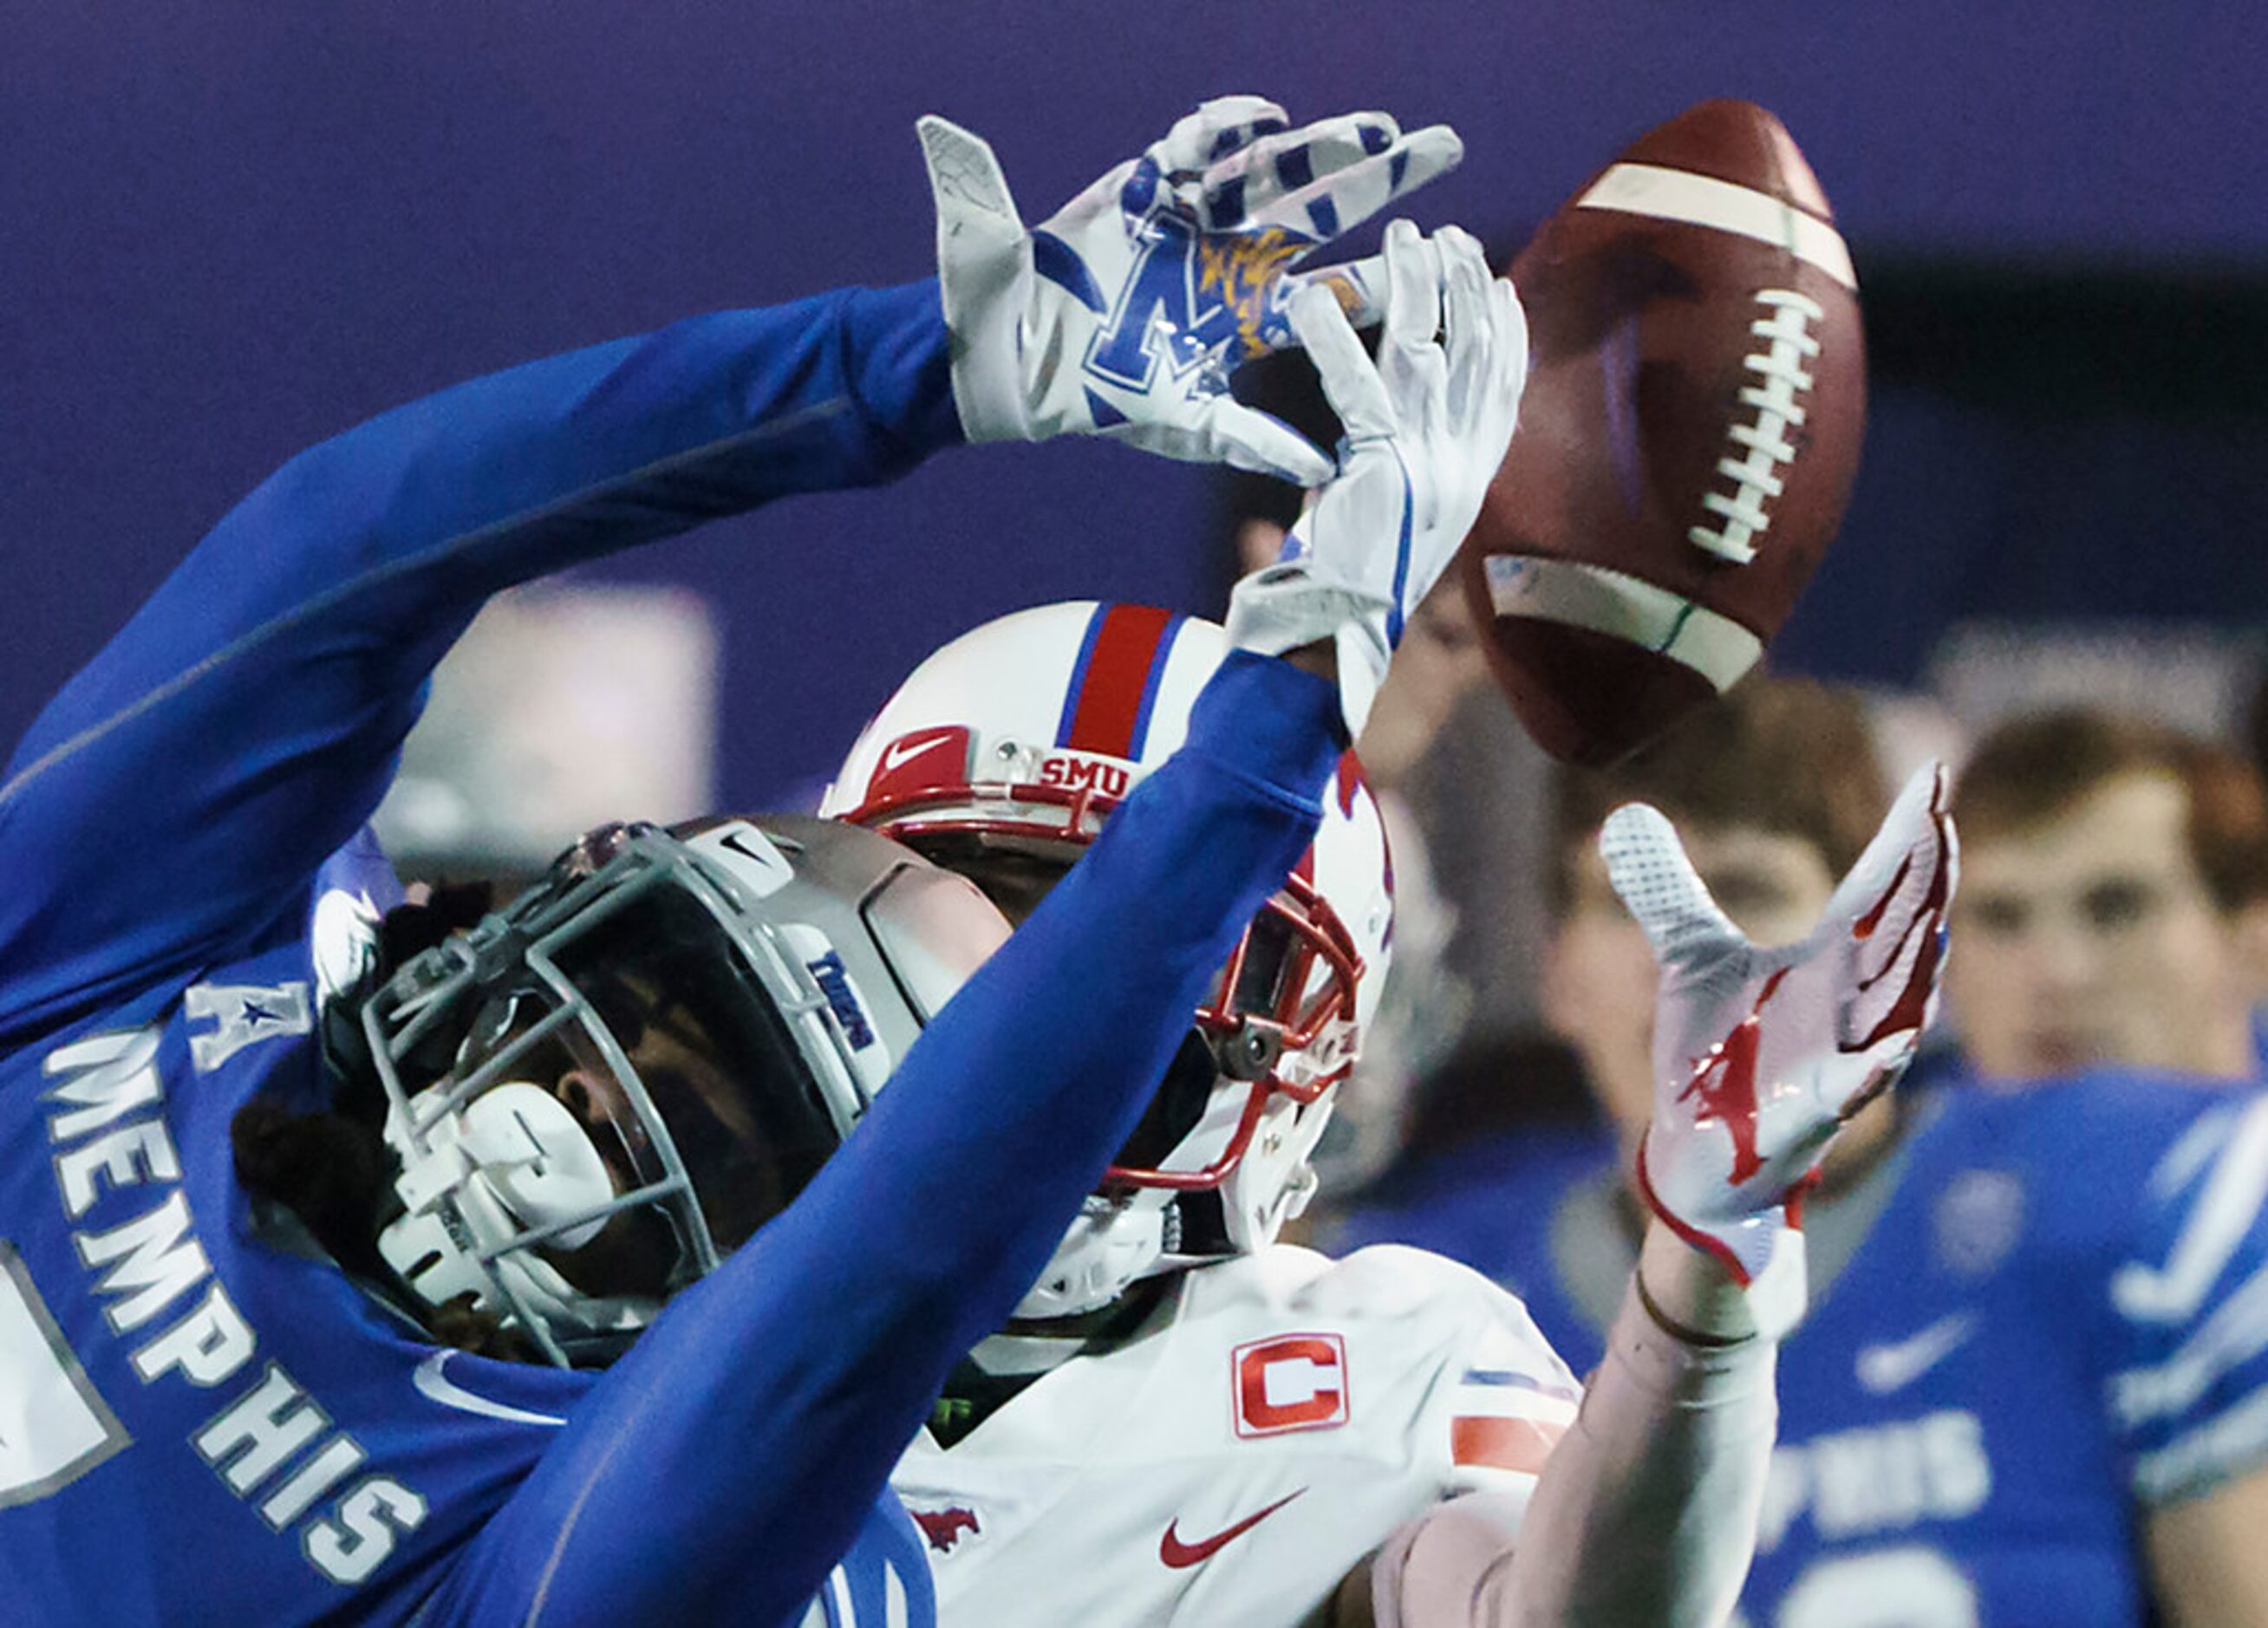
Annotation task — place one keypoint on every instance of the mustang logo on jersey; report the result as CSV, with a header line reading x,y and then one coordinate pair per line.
x,y
1293,1382
945,1527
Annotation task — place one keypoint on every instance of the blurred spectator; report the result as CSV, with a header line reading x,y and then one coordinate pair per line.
x,y
1776,794
2033,1384
2114,900
2187,675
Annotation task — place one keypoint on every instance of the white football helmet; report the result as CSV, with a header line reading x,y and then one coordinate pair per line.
x,y
1000,757
599,1093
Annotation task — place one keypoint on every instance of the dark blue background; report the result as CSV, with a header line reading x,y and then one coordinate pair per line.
x,y
229,229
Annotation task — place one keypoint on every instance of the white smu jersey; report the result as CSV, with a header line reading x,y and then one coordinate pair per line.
x,y
1266,1432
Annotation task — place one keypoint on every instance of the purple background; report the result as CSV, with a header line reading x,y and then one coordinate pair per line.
x,y
230,229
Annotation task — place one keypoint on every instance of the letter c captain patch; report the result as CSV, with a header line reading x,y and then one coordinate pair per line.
x,y
1293,1382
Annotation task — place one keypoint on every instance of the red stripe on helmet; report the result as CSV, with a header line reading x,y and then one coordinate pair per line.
x,y
1349,780
1118,672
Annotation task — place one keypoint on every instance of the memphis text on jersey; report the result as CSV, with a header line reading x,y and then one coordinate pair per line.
x,y
266,1439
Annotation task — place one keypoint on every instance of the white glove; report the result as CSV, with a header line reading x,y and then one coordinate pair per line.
x,y
1760,1055
1124,314
1426,428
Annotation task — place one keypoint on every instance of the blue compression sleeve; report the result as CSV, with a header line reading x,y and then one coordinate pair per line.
x,y
781,1389
177,795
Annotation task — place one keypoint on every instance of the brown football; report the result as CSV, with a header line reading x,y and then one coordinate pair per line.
x,y
1695,397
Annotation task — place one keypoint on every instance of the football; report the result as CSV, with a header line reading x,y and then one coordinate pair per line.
x,y
1695,401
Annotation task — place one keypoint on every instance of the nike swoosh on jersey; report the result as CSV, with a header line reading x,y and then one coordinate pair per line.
x,y
1885,1368
436,1386
1175,1553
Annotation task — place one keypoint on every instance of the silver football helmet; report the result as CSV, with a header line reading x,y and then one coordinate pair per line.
x,y
601,1092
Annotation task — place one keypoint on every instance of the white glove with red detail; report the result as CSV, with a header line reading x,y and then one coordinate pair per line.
x,y
1760,1055
1124,314
1426,428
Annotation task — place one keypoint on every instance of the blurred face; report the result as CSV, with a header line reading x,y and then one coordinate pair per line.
x,y
2090,939
1598,979
1439,660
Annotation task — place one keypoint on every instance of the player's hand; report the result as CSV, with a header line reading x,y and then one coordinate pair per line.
x,y
1761,1054
1124,314
1426,428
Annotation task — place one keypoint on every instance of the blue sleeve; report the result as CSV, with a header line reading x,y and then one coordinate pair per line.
x,y
762,1412
174,800
2188,1391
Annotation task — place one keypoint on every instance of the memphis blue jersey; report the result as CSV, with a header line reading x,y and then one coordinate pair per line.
x,y
2059,1323
200,1422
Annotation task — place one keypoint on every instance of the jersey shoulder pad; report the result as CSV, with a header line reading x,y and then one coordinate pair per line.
x,y
2096,1154
1422,1301
1379,1283
1506,1395
1400,1278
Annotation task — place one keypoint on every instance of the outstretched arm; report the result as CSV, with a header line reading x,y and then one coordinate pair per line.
x,y
177,795
1647,1509
843,1316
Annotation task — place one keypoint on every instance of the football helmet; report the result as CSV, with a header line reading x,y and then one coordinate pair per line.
x,y
1000,757
599,1093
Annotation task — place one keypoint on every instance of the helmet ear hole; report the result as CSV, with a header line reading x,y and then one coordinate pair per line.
x,y
1204,1222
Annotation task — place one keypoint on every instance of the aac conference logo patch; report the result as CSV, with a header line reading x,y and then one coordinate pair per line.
x,y
1293,1382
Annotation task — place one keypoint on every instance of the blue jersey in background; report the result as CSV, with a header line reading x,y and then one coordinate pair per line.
x,y
2057,1321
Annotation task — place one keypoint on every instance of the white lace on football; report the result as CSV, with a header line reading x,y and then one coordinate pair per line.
x,y
1765,450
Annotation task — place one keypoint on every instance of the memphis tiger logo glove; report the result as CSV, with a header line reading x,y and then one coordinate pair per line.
x,y
1124,313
